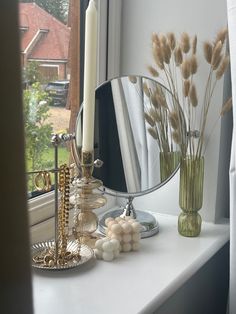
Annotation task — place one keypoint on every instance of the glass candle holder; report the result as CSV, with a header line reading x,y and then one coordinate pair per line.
x,y
87,199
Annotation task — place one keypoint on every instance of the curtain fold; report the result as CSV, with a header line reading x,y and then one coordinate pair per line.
x,y
231,9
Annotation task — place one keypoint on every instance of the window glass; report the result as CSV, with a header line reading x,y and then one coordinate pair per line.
x,y
44,36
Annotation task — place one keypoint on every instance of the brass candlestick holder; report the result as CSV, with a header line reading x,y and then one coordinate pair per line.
x,y
86,200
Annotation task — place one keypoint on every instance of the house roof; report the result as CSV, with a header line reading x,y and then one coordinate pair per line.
x,y
42,35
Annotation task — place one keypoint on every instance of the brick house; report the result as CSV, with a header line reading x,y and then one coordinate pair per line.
x,y
44,39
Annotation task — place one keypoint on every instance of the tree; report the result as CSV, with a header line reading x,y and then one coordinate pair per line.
x,y
31,73
57,8
37,130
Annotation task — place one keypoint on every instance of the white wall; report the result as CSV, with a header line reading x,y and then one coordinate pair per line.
x,y
204,18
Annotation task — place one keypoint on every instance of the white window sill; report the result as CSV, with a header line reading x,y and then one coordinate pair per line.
x,y
136,282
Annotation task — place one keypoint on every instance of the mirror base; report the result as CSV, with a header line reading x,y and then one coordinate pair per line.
x,y
150,226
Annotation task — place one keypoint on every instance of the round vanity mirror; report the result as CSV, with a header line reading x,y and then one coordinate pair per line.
x,y
137,136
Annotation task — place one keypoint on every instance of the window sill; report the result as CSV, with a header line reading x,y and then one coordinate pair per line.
x,y
164,263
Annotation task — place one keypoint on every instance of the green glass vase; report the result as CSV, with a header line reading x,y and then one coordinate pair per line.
x,y
169,161
191,195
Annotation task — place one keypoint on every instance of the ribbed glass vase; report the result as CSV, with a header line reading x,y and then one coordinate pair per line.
x,y
169,161
191,195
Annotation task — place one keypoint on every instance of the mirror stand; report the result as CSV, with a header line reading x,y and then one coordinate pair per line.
x,y
148,222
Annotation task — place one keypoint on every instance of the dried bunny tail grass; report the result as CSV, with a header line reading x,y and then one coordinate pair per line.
x,y
163,39
178,56
146,89
226,107
193,64
171,40
166,53
153,71
155,115
216,55
218,62
161,100
158,56
185,42
185,69
194,45
174,120
154,101
155,39
223,66
176,137
153,133
133,79
193,95
186,88
207,49
221,35
149,119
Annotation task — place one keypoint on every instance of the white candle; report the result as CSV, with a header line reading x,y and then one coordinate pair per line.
x,y
90,72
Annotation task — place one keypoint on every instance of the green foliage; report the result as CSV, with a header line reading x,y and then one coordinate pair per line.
x,y
37,130
57,8
31,73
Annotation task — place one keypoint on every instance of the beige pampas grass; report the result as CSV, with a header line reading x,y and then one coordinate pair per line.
x,y
171,40
166,53
155,39
153,133
222,68
161,101
174,120
186,88
194,45
185,42
154,101
221,35
193,64
185,69
193,95
207,49
149,119
153,71
177,66
178,56
227,106
158,56
162,39
176,137
155,115
146,89
216,55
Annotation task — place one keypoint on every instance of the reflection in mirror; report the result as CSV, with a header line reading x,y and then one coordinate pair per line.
x,y
136,134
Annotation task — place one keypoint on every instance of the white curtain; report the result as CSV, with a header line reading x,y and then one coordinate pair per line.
x,y
134,99
127,146
232,44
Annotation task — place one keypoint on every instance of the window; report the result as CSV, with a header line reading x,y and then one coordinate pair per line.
x,y
47,75
45,70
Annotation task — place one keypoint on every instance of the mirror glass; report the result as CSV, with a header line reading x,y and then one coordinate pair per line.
x,y
136,134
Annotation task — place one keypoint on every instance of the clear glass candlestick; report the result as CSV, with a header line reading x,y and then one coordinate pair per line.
x,y
86,200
